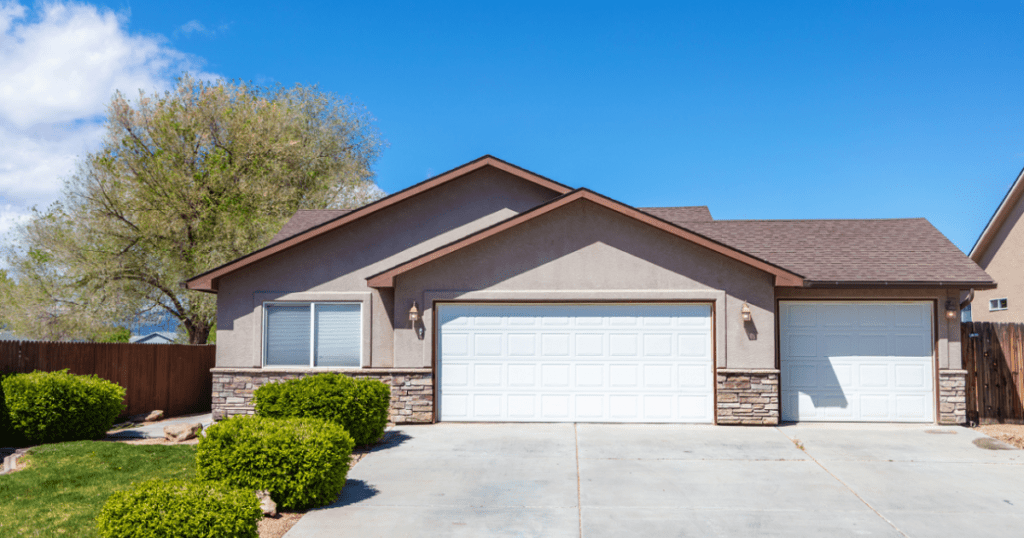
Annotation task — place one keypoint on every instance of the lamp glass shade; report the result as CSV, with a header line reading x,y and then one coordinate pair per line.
x,y
414,313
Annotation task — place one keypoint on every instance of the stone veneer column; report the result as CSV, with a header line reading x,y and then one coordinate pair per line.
x,y
748,397
953,396
412,390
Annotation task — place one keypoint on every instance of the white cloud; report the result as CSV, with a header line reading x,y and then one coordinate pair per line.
x,y
194,26
60,62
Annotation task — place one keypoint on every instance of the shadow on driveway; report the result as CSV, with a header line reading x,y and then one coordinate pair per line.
x,y
391,439
355,491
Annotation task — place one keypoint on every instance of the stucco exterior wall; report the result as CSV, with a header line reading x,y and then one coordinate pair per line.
x,y
1004,261
947,330
585,252
335,266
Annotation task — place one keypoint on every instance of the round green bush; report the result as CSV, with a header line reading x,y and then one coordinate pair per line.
x,y
159,508
8,436
358,405
49,407
301,462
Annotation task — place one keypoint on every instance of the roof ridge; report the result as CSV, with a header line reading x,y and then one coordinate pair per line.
x,y
889,219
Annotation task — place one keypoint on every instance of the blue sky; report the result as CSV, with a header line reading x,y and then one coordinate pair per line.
x,y
807,110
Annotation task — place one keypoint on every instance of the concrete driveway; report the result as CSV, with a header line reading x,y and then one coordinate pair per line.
x,y
610,480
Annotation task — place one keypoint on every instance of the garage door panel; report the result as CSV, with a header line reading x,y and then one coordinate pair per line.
x,y
487,345
522,375
522,406
619,363
624,375
911,376
865,362
658,376
487,375
693,376
456,375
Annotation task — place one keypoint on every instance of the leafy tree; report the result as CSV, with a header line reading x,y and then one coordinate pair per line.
x,y
184,181
119,335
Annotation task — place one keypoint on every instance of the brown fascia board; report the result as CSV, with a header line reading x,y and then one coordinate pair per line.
x,y
835,284
208,281
998,219
386,279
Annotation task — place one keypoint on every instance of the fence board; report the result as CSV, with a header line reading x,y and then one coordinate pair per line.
x,y
993,355
171,377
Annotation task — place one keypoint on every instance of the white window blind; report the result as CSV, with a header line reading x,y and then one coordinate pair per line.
x,y
287,335
336,334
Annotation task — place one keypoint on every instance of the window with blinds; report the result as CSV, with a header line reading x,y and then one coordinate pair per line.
x,y
312,334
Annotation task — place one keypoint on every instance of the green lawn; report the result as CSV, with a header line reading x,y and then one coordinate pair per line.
x,y
66,484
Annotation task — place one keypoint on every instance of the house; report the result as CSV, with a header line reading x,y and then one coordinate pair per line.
x,y
158,337
491,293
1000,252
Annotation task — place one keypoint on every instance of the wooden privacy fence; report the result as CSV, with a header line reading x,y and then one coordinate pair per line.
x,y
170,377
993,355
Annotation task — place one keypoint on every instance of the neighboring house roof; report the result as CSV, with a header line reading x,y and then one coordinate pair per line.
x,y
9,336
159,337
782,276
883,252
998,218
208,280
699,213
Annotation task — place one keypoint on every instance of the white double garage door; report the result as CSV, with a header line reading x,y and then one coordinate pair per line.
x,y
840,361
576,362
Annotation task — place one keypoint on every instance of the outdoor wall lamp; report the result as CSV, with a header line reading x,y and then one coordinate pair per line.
x,y
414,318
745,312
414,314
950,309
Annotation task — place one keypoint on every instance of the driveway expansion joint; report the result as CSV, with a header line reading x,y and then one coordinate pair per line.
x,y
845,485
579,498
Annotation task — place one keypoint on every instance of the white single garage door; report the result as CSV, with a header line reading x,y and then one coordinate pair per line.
x,y
576,362
856,361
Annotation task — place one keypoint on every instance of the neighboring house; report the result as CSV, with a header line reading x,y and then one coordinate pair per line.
x,y
490,293
1000,252
159,337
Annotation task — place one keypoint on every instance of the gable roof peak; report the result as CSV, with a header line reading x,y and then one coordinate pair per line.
x,y
208,281
995,222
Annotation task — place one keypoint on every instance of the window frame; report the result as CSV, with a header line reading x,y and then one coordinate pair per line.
x,y
997,305
312,334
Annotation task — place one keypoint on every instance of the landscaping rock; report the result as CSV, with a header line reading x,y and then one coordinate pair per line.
x,y
152,416
267,504
182,432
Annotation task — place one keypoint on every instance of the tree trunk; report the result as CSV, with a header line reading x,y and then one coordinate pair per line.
x,y
198,331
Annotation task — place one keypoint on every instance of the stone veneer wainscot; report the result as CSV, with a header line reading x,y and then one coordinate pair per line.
x,y
412,390
952,396
748,397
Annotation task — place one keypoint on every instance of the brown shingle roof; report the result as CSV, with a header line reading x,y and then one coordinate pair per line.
x,y
305,219
824,251
699,213
885,251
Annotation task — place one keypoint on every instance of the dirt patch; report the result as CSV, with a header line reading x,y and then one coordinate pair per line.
x,y
1011,434
276,527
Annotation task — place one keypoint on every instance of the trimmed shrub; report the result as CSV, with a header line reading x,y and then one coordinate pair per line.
x,y
358,405
302,462
8,436
49,407
159,508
